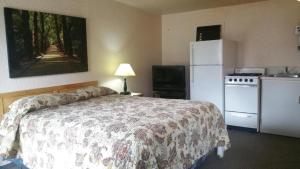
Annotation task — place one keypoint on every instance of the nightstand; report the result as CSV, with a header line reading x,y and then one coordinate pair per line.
x,y
137,94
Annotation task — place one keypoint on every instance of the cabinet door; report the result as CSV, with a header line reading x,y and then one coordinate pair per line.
x,y
281,107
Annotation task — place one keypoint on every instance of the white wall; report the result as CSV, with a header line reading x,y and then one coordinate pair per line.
x,y
115,33
263,30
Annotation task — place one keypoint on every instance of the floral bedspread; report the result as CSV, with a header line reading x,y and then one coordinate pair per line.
x,y
85,129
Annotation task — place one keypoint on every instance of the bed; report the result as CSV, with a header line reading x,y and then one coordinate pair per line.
x,y
93,127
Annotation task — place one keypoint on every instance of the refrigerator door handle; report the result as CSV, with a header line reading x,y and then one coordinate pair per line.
x,y
193,74
192,62
192,54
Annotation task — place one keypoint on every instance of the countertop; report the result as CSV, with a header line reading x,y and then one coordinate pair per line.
x,y
280,78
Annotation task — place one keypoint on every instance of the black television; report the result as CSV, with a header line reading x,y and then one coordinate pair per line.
x,y
168,77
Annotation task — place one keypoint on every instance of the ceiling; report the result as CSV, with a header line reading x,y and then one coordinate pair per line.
x,y
174,6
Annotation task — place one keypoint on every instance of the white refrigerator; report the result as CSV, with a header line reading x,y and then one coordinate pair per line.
x,y
210,61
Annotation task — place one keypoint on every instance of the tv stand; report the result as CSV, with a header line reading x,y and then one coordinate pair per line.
x,y
169,94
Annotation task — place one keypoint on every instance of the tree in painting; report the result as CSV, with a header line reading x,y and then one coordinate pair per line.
x,y
42,43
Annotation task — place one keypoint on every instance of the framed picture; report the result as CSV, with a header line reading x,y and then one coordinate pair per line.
x,y
41,43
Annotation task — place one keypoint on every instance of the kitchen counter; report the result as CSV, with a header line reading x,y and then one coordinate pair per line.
x,y
280,78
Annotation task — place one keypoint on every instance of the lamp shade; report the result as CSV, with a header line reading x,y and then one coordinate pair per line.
x,y
124,69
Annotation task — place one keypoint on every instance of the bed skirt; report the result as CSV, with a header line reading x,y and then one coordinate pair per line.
x,y
15,163
18,163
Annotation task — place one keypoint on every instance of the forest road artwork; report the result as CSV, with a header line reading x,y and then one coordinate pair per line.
x,y
43,44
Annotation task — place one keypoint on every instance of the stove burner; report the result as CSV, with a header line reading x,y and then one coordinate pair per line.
x,y
245,74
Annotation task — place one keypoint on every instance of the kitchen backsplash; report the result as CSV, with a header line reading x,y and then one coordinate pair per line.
x,y
282,69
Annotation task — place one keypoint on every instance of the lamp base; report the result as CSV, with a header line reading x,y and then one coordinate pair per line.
x,y
125,93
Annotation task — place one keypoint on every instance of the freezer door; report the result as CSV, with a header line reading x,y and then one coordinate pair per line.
x,y
207,84
206,53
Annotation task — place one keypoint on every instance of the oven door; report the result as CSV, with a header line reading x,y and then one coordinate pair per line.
x,y
242,98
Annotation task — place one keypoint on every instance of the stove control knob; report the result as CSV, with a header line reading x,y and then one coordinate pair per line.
x,y
241,80
230,80
251,80
246,80
235,80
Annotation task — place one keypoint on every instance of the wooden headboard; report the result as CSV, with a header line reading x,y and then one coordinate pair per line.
x,y
7,98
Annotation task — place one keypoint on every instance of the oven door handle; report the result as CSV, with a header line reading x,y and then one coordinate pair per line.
x,y
245,86
242,115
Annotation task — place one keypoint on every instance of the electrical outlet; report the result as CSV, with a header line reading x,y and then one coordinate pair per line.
x,y
297,31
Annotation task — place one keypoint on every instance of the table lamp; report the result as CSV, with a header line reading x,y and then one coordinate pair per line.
x,y
124,70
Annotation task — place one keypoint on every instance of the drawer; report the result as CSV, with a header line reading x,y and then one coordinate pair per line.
x,y
241,119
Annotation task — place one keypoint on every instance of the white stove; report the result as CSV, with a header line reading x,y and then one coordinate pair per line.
x,y
242,98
